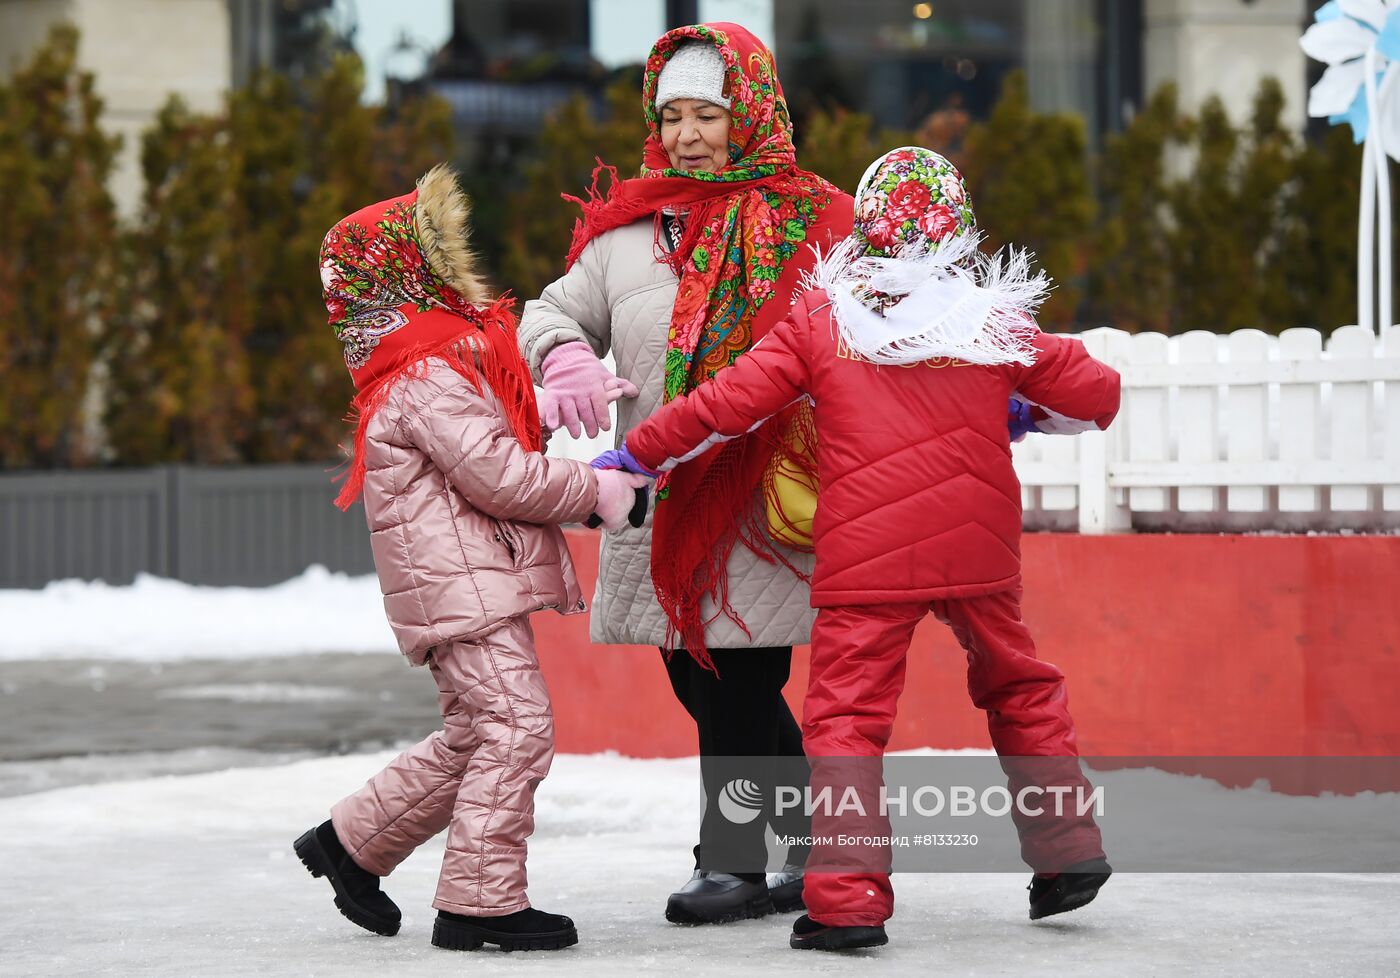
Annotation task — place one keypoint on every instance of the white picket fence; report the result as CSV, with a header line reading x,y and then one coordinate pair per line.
x,y
1244,431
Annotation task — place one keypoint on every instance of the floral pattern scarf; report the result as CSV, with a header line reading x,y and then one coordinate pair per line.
x,y
911,284
739,260
393,314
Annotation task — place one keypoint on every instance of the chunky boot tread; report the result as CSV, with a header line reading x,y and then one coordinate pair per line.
x,y
319,863
839,939
461,935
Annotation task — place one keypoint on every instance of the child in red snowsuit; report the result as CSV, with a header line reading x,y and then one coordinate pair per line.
x,y
908,345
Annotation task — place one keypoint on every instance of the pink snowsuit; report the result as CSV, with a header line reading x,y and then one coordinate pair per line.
x,y
464,530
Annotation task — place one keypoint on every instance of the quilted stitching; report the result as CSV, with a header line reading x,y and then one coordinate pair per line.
x,y
440,577
774,603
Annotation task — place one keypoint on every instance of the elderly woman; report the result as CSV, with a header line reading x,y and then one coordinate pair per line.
x,y
678,272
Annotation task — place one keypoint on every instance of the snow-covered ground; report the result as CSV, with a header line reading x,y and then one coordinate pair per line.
x,y
179,862
160,620
194,876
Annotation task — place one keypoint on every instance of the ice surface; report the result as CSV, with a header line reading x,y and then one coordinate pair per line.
x,y
194,876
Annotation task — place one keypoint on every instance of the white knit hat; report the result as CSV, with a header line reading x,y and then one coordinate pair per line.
x,y
695,71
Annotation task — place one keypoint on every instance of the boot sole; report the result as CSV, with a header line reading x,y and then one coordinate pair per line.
x,y
318,863
760,906
840,939
1064,898
453,936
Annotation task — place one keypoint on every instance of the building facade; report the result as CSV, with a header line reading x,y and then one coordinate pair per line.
x,y
901,61
511,62
140,51
143,51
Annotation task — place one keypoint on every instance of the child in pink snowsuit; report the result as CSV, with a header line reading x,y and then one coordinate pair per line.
x,y
463,511
909,342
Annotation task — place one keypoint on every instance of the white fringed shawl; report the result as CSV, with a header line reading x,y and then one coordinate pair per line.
x,y
951,301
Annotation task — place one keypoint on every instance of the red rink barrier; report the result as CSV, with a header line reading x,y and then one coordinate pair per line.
x,y
1174,645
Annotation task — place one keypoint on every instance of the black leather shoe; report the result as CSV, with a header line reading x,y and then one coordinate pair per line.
x,y
524,930
785,889
357,893
1069,889
808,935
717,898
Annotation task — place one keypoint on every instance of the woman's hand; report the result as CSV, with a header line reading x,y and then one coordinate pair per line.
x,y
578,390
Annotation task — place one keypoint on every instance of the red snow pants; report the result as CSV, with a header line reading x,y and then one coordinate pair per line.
x,y
857,674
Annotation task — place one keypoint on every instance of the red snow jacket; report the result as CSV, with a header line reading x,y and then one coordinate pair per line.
x,y
918,497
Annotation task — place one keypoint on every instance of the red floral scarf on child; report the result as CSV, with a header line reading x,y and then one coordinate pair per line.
x,y
739,261
394,312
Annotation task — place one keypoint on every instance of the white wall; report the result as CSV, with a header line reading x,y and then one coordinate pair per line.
x,y
23,25
140,52
1224,47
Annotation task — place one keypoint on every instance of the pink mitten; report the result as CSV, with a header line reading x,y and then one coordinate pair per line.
x,y
617,493
578,390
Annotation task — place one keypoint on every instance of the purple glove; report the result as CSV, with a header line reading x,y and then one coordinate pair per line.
x,y
1018,419
578,390
621,458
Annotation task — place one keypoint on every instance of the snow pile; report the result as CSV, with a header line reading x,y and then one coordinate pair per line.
x,y
159,620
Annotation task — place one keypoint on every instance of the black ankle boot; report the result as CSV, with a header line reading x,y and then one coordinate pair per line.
x,y
717,898
524,930
808,935
357,893
1073,887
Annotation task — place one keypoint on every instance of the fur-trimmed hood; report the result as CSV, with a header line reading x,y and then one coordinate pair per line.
x,y
442,218
401,289
397,260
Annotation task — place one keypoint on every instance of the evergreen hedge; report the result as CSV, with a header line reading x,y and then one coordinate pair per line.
x,y
200,329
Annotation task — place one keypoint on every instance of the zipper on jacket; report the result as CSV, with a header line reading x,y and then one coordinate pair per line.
x,y
505,539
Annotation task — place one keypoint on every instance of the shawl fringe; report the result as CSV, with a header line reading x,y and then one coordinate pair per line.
x,y
482,354
794,460
950,301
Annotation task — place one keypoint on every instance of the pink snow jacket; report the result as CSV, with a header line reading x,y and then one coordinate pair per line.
x,y
463,520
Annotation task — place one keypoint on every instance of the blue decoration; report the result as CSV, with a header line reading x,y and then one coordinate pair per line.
x,y
1328,11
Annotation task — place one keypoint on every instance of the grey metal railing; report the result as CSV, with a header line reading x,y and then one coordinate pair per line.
x,y
250,525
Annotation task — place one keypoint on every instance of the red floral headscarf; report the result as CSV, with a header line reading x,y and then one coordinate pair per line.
x,y
394,311
911,194
742,255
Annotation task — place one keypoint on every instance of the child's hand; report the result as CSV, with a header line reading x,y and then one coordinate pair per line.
x,y
617,496
1018,419
622,458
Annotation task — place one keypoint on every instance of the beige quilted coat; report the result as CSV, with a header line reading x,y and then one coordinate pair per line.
x,y
618,297
462,518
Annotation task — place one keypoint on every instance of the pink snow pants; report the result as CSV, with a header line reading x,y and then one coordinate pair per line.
x,y
857,674
476,777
